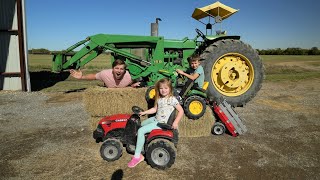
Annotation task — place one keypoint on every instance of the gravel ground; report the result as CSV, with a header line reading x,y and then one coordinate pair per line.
x,y
47,136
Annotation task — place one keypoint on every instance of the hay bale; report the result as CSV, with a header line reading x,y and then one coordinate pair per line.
x,y
101,101
93,122
197,128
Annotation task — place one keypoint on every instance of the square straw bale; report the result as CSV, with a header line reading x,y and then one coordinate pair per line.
x,y
197,128
101,101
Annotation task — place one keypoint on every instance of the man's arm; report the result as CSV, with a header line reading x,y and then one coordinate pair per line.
x,y
79,75
135,84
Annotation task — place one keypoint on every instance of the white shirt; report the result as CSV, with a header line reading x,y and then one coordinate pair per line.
x,y
165,107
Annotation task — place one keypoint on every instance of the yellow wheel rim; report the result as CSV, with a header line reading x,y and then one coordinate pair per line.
x,y
195,107
232,74
152,93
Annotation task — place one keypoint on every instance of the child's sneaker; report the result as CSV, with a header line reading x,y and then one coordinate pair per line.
x,y
135,161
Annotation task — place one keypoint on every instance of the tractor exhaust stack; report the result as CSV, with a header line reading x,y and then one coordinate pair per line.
x,y
155,27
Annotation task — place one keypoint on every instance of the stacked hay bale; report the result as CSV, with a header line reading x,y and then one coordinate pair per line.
x,y
101,101
197,128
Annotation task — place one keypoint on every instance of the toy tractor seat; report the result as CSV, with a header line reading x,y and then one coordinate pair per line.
x,y
204,87
168,125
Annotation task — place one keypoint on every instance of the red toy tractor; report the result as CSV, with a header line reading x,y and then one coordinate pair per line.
x,y
120,130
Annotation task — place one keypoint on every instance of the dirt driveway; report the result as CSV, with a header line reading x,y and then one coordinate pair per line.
x,y
47,136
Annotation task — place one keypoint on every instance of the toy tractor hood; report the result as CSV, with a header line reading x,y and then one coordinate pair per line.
x,y
216,9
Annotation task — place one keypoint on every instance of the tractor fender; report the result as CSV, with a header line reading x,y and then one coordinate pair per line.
x,y
159,137
165,134
224,37
198,93
159,132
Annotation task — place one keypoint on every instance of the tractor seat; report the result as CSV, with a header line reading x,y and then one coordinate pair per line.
x,y
204,87
164,126
168,125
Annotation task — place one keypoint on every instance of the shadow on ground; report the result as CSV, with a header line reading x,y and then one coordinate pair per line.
x,y
44,79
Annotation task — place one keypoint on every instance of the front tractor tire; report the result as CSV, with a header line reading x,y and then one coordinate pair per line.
x,y
150,94
194,107
161,154
111,150
234,71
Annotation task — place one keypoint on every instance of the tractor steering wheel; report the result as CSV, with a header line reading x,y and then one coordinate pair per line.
x,y
201,34
137,109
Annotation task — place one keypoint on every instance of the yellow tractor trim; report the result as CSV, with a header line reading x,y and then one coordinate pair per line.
x,y
213,10
152,94
195,107
232,74
205,85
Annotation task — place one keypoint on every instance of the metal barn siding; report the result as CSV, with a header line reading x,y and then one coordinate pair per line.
x,y
14,74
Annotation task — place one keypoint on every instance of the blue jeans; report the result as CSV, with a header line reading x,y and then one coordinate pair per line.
x,y
146,126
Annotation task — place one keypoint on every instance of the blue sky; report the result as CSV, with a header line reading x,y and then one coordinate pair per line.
x,y
264,24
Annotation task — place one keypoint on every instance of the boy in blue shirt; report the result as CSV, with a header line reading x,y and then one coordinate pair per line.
x,y
195,73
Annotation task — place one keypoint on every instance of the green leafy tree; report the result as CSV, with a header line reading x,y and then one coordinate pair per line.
x,y
314,51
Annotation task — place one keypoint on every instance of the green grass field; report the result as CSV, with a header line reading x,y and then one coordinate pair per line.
x,y
278,68
287,58
292,68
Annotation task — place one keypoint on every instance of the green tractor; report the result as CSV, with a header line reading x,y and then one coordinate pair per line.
x,y
233,69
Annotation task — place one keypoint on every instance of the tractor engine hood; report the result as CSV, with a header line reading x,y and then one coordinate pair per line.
x,y
115,118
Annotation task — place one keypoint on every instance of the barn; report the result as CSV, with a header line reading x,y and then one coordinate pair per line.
x,y
14,74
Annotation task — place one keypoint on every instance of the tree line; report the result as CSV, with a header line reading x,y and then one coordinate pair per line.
x,y
290,51
44,51
277,51
39,51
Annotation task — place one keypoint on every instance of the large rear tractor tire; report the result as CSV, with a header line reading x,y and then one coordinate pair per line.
x,y
234,70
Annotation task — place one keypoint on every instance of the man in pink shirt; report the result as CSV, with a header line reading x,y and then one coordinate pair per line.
x,y
117,77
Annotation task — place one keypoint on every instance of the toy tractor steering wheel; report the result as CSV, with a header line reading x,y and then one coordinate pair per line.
x,y
201,35
136,109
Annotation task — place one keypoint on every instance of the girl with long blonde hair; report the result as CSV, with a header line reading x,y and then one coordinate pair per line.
x,y
165,104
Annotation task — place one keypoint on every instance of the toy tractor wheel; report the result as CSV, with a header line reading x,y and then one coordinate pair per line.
x,y
150,94
161,154
234,70
111,150
218,128
194,107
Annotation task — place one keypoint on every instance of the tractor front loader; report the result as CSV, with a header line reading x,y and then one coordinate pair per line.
x,y
232,68
160,58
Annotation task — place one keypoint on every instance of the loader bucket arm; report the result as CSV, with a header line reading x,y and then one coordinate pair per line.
x,y
61,62
96,44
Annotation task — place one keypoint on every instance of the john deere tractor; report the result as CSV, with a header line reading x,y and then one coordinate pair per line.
x,y
232,68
